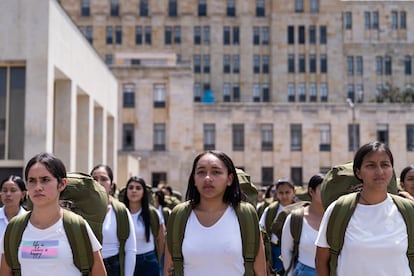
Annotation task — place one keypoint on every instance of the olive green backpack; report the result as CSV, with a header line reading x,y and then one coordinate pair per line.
x,y
249,228
341,215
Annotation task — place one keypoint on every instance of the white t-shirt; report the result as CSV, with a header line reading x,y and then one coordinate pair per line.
x,y
375,241
215,250
48,252
110,242
274,239
142,245
4,221
307,248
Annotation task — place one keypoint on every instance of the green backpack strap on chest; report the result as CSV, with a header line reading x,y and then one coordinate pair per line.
x,y
250,234
341,215
249,228
296,223
155,228
122,230
79,241
270,216
76,233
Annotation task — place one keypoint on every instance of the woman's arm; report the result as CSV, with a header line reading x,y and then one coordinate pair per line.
x,y
322,261
98,268
259,265
287,243
161,240
5,268
168,263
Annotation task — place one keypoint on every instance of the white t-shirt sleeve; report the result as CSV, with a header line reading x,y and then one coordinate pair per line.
x,y
96,246
321,239
130,249
262,221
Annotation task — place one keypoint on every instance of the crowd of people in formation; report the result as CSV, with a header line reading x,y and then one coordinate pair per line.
x,y
217,229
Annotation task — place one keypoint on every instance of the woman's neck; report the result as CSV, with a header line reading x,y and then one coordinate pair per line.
x,y
135,207
11,211
371,197
212,205
45,217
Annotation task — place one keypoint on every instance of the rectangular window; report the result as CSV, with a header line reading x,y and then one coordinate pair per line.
x,y
226,64
265,92
291,63
410,137
260,8
359,93
226,35
291,92
325,137
367,20
324,63
209,131
197,92
302,63
403,20
206,64
236,92
302,92
109,59
159,137
382,133
375,20
238,137
299,6
109,35
379,67
158,177
148,36
129,95
197,64
226,92
312,92
159,95
89,34
202,7
312,34
267,176
296,137
12,99
168,35
350,65
296,175
177,35
312,63
256,64
388,65
172,8
138,35
236,37
291,35
256,92
197,35
86,8
265,64
267,137
114,8
118,35
265,35
256,35
128,139
231,8
323,91
301,34
353,137
323,35
236,64
314,6
143,8
351,92
407,65
348,20
394,20
359,62
206,35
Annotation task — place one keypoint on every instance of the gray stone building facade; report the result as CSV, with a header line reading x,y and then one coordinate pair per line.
x,y
265,81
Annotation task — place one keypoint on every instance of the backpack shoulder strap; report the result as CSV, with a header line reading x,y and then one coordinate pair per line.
x,y
406,209
12,239
155,226
122,230
250,234
79,241
296,223
175,234
270,216
337,224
